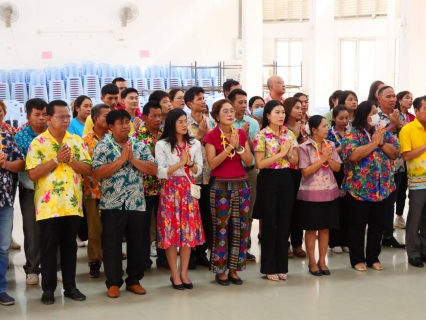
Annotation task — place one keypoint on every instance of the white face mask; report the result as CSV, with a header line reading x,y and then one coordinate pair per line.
x,y
375,119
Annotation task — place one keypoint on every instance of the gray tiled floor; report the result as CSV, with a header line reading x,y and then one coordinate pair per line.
x,y
398,292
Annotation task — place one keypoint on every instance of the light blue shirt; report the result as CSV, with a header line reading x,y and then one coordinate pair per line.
x,y
254,128
76,127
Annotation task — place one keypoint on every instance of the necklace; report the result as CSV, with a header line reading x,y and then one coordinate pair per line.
x,y
319,153
336,134
224,143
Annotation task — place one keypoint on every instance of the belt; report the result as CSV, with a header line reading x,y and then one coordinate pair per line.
x,y
247,169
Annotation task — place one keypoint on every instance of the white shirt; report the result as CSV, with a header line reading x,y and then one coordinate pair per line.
x,y
166,159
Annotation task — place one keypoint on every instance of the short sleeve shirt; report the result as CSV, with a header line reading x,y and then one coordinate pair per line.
x,y
229,168
9,147
76,127
371,178
413,136
268,142
253,130
335,137
59,193
91,187
125,186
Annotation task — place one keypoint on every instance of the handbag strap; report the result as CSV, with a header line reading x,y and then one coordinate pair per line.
x,y
187,176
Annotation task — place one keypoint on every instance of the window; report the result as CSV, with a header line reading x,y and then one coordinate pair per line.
x,y
286,10
289,61
359,8
357,65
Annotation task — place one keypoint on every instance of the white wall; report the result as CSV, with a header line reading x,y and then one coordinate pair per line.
x,y
179,31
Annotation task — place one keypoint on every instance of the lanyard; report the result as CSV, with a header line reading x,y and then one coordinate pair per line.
x,y
319,152
368,135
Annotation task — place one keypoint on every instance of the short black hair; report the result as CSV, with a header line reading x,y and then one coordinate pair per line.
x,y
383,89
314,122
150,105
334,96
360,119
119,79
35,103
269,106
417,103
115,115
233,94
253,99
77,104
50,110
373,88
191,93
96,110
109,89
344,95
227,85
339,108
299,94
125,92
158,95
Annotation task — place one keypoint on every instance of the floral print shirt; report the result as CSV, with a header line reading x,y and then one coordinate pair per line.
x,y
268,142
125,186
9,147
193,127
151,184
91,187
335,136
371,178
5,127
59,193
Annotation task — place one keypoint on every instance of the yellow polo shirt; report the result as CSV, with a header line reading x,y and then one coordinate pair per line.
x,y
413,136
88,127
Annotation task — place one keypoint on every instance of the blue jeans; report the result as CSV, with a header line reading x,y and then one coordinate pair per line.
x,y
390,210
6,222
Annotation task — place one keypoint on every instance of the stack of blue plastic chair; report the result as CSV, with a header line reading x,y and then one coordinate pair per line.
x,y
38,87
188,82
4,86
18,85
105,73
140,83
91,86
74,87
28,77
56,85
156,84
121,72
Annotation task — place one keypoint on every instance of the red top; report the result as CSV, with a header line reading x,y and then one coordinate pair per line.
x,y
138,111
229,168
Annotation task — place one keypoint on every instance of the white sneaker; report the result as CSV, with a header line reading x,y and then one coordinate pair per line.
x,y
80,243
345,249
59,276
32,278
336,250
399,222
14,245
153,249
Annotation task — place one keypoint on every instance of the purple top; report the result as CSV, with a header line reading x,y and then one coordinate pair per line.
x,y
320,186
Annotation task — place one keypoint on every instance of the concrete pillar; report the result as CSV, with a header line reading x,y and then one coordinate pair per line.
x,y
252,38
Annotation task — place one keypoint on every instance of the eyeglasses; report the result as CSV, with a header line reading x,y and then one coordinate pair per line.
x,y
62,118
182,122
178,98
228,111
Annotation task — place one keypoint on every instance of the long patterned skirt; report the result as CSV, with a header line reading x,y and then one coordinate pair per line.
x,y
179,220
230,203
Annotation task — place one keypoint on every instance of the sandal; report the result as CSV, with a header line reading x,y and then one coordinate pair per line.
x,y
282,276
377,266
272,277
298,251
360,267
290,253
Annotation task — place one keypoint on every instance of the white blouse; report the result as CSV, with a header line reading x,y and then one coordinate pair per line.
x,y
166,158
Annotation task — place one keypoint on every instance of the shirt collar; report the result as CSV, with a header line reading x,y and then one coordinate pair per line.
x,y
417,123
283,129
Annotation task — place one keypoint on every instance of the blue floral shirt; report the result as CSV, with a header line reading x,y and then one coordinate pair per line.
x,y
10,148
126,185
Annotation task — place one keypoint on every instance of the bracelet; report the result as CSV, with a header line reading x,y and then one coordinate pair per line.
x,y
239,148
291,156
56,160
381,145
231,146
6,167
242,151
192,165
227,149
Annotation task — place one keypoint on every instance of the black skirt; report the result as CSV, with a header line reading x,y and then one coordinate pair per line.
x,y
319,215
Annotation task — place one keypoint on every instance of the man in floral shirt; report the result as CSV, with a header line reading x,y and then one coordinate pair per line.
x,y
149,133
56,161
11,160
91,190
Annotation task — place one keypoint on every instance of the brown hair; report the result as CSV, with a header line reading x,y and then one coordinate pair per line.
x,y
288,106
3,106
217,106
172,93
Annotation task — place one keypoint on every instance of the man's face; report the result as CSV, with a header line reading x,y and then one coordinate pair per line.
x,y
101,120
198,104
111,100
240,104
153,119
278,86
131,101
305,103
122,85
37,119
61,119
421,113
166,105
120,128
387,100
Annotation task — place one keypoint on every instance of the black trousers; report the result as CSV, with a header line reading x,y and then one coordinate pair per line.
x,y
402,193
58,233
360,214
116,223
206,219
275,193
339,237
296,231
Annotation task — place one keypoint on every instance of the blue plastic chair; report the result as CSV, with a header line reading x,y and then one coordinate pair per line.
x,y
91,86
4,86
38,88
156,84
19,89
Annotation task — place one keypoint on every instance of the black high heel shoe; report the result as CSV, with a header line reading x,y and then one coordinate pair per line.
x,y
315,273
187,285
177,286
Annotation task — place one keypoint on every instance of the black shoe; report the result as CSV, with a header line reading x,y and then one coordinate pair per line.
x,y
250,257
187,285
259,237
75,294
249,244
325,272
315,273
392,242
48,297
236,281
177,286
163,264
423,257
192,265
6,300
94,269
221,282
203,261
416,262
